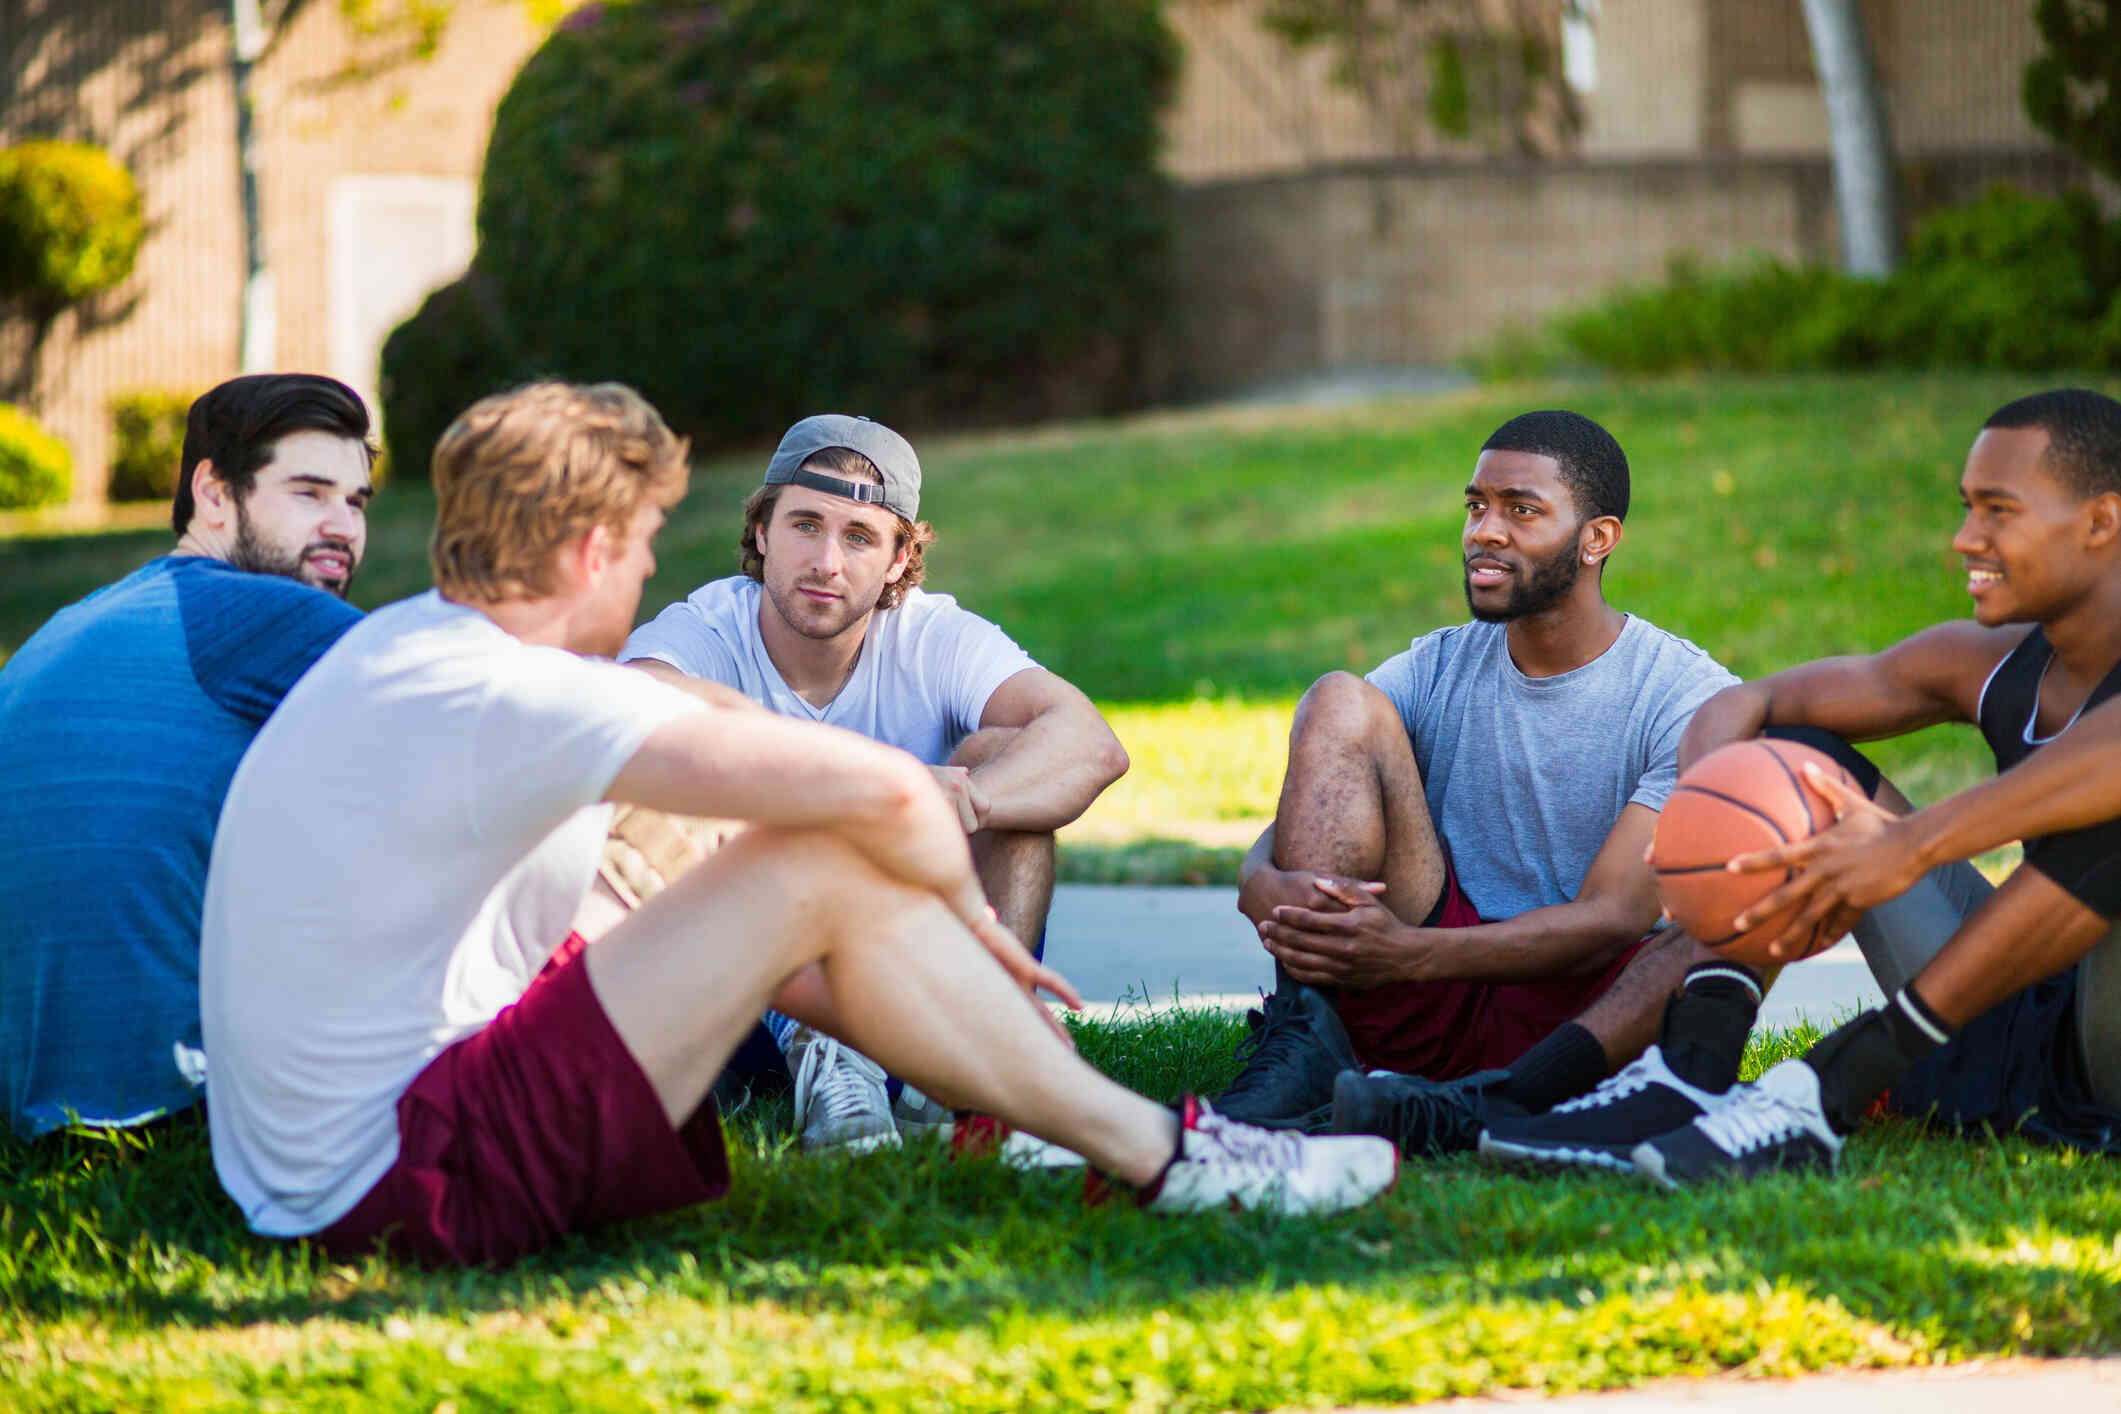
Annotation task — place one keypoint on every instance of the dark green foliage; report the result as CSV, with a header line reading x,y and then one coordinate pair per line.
x,y
70,224
2072,89
35,467
456,349
147,434
760,208
2008,281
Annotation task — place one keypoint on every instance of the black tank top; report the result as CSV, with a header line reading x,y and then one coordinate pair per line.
x,y
2010,700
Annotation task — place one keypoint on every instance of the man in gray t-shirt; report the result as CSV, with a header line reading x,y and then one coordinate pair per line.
x,y
1454,886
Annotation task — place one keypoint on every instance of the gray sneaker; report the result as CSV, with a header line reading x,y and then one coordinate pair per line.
x,y
919,1117
840,1101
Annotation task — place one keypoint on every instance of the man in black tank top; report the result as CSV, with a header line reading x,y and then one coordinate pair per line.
x,y
2004,1004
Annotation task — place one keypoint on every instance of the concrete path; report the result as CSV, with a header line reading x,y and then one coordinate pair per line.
x,y
2001,1387
1122,944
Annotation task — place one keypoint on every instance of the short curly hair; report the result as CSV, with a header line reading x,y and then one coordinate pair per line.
x,y
1591,463
837,461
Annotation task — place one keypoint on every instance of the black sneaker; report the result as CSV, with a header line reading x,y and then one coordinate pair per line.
x,y
1296,1047
1774,1123
1639,1102
1425,1117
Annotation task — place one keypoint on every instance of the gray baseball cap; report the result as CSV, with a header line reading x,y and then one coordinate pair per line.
x,y
892,455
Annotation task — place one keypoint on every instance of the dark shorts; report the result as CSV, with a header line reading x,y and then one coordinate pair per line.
x,y
1447,1029
538,1125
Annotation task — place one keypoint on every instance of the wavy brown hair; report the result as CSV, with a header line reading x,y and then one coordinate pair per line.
x,y
845,462
521,473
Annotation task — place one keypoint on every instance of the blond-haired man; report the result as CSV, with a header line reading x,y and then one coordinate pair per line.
x,y
409,1043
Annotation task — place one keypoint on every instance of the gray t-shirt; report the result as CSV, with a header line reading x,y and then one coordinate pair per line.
x,y
1527,776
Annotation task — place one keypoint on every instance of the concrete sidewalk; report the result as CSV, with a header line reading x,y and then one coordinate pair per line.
x,y
2000,1387
1151,945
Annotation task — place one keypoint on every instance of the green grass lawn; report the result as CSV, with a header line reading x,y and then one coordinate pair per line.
x,y
1193,572
905,1281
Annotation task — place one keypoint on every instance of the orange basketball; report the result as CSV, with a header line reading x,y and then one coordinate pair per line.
x,y
1746,796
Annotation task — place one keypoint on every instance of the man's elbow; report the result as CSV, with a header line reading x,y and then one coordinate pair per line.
x,y
1111,761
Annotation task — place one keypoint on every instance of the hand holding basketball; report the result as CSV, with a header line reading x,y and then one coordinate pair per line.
x,y
1743,799
1864,859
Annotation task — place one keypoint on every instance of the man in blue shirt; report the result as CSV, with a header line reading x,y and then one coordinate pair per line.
x,y
121,722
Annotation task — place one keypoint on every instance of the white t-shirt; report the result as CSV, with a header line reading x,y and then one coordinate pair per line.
x,y
403,847
921,684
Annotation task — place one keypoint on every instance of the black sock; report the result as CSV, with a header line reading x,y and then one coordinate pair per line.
x,y
1567,1063
1705,1025
1870,1055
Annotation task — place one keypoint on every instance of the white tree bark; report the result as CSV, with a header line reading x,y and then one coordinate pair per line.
x,y
259,340
1866,192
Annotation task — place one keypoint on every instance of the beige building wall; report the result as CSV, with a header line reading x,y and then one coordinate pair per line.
x,y
150,80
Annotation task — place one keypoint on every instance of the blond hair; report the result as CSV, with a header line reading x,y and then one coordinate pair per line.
x,y
520,474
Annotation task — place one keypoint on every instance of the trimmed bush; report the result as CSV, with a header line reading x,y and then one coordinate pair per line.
x,y
147,439
456,348
70,224
36,469
2007,281
756,209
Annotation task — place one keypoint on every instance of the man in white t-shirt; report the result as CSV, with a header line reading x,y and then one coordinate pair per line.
x,y
409,1045
828,623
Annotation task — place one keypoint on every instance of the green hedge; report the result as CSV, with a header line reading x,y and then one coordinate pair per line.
x,y
761,208
2007,281
147,445
456,348
36,469
70,223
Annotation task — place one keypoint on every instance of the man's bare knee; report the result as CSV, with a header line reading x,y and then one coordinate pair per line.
x,y
842,889
1342,707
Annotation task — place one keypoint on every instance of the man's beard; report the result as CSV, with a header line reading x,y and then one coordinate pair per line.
x,y
1537,587
250,552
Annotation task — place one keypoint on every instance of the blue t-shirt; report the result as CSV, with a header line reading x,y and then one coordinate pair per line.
x,y
121,722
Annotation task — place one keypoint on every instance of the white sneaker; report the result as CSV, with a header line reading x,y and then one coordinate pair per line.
x,y
840,1101
1222,1163
1025,1152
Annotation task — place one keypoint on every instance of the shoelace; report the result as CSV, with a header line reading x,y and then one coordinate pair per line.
x,y
825,1078
1244,1144
1637,1074
1751,1119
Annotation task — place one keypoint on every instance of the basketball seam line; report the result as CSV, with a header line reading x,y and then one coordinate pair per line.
x,y
1810,820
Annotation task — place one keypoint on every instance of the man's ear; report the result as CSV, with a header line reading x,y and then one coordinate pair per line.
x,y
898,566
2103,520
213,503
584,558
1601,537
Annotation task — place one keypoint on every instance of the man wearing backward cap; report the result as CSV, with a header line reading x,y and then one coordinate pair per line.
x,y
828,623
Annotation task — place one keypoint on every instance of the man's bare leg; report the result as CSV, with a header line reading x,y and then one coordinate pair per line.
x,y
687,973
1352,802
1016,867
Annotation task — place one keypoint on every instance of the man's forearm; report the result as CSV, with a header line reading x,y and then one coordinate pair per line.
x,y
1053,767
1563,940
2070,784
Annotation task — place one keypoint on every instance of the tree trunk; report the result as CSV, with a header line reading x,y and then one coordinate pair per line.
x,y
259,317
1865,187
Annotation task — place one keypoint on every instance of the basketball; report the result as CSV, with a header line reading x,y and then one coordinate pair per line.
x,y
1746,796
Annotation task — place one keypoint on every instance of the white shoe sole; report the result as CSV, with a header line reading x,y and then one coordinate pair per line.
x,y
1502,1151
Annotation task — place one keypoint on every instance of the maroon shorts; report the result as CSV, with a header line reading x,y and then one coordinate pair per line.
x,y
1447,1029
540,1124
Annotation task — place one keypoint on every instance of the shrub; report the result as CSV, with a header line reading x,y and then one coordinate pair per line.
x,y
761,208
2072,88
457,347
2006,281
147,437
35,467
70,224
